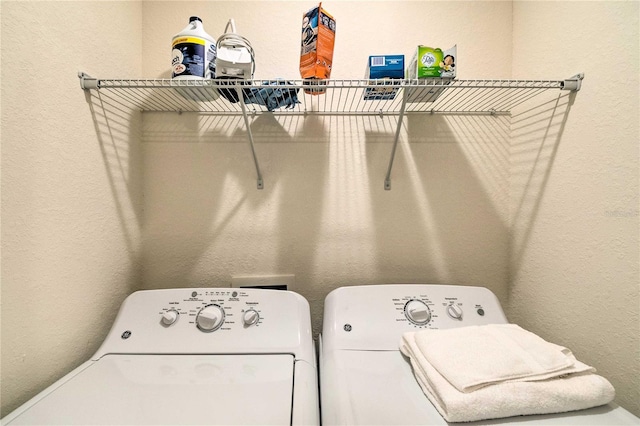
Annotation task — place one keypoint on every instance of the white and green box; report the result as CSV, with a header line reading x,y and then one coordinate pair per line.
x,y
430,62
433,64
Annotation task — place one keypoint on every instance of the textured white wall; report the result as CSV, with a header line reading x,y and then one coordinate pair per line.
x,y
71,196
71,187
324,214
574,182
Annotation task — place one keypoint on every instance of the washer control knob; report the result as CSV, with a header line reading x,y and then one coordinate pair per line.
x,y
455,312
170,317
417,312
210,318
250,317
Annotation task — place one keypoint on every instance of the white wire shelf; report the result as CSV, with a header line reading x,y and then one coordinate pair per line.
x,y
248,98
340,97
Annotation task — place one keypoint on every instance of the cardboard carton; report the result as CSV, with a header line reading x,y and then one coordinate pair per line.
x,y
316,52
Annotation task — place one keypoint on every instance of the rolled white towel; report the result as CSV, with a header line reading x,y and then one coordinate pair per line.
x,y
506,399
476,356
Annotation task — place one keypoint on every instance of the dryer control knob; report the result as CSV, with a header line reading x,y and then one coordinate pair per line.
x,y
210,318
250,317
170,317
417,312
455,312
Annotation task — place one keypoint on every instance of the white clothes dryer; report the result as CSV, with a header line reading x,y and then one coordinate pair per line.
x,y
192,356
365,379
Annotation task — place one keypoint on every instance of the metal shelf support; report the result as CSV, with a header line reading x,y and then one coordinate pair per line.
x,y
387,180
250,135
87,82
573,83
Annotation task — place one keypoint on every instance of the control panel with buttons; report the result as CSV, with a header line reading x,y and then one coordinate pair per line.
x,y
377,315
204,320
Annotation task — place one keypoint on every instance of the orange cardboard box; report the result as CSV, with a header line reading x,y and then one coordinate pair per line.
x,y
318,37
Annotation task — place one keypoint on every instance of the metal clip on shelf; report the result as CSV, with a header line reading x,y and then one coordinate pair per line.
x,y
340,98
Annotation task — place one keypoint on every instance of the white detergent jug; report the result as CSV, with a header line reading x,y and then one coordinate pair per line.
x,y
194,57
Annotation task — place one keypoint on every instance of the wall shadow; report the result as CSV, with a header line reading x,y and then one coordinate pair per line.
x,y
449,181
205,219
536,131
118,130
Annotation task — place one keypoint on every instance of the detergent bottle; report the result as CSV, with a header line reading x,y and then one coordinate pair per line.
x,y
193,52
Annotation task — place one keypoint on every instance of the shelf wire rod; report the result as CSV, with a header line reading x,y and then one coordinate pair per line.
x,y
386,105
521,96
387,179
196,95
341,102
380,104
328,99
358,94
476,102
123,97
449,98
373,104
214,104
178,100
512,95
494,99
444,101
118,103
466,100
482,100
140,98
397,101
353,98
175,101
337,106
127,95
114,105
421,94
304,104
453,97
351,93
416,104
393,103
367,105
207,99
531,95
323,97
536,107
250,135
162,97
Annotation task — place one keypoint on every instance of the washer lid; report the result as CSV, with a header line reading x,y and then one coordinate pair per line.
x,y
170,389
379,388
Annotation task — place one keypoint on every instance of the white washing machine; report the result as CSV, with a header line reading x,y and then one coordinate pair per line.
x,y
365,380
192,356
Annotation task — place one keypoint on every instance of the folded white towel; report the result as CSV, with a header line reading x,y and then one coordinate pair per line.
x,y
508,398
476,356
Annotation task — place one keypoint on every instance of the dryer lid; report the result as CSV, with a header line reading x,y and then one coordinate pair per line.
x,y
171,389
